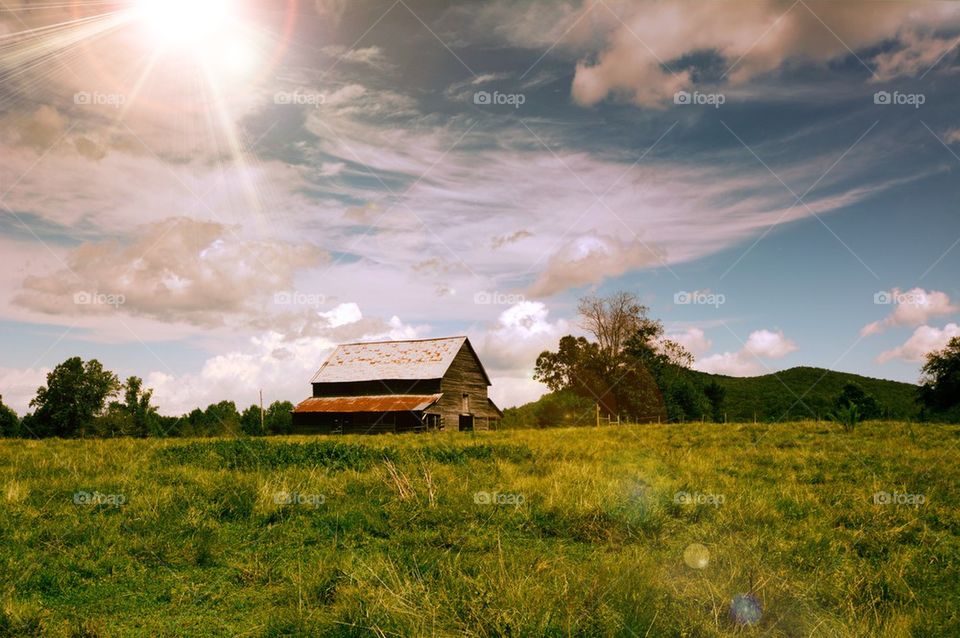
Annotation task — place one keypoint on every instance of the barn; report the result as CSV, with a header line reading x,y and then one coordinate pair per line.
x,y
399,386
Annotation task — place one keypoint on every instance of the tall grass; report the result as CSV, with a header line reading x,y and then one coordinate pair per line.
x,y
633,531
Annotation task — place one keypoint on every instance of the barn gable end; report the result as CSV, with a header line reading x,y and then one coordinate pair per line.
x,y
464,392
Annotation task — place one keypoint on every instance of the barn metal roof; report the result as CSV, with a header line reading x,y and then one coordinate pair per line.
x,y
375,403
369,361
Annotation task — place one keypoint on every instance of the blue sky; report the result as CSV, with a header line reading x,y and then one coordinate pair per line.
x,y
214,206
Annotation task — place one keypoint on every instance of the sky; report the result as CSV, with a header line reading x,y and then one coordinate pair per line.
x,y
212,194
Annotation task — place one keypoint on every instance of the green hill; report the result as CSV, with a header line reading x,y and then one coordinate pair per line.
x,y
804,393
790,395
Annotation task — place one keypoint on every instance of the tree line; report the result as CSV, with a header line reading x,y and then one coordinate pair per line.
x,y
83,399
627,368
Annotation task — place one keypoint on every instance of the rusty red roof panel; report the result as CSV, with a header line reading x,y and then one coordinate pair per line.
x,y
375,403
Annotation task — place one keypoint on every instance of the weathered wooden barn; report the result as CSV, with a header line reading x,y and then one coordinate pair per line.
x,y
399,386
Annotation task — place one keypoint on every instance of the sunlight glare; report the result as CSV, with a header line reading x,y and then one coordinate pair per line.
x,y
185,22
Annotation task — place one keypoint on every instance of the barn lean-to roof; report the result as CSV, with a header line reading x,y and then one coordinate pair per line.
x,y
379,403
394,360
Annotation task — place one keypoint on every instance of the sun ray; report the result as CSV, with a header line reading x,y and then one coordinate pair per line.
x,y
24,47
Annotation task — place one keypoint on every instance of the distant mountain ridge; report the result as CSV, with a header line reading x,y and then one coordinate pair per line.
x,y
789,395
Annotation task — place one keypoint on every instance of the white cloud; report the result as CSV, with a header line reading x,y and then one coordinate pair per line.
x,y
70,190
925,339
519,335
176,270
589,259
761,344
694,340
911,308
509,350
918,54
769,345
624,47
734,364
18,387
40,129
755,37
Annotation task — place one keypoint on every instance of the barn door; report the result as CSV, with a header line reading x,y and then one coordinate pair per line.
x,y
466,422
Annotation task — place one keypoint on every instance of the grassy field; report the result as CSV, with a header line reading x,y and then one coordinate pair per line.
x,y
633,531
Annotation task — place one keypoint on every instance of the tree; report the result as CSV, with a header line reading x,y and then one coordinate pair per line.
x,y
580,366
134,416
222,418
853,395
940,380
669,364
75,393
9,422
574,365
616,370
612,320
137,403
715,394
193,424
279,418
250,421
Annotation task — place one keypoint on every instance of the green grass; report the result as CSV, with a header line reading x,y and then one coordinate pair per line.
x,y
588,538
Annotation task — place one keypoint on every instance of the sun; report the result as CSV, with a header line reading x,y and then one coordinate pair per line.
x,y
210,32
186,23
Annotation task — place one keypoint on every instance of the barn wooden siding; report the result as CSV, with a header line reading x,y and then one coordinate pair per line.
x,y
465,376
